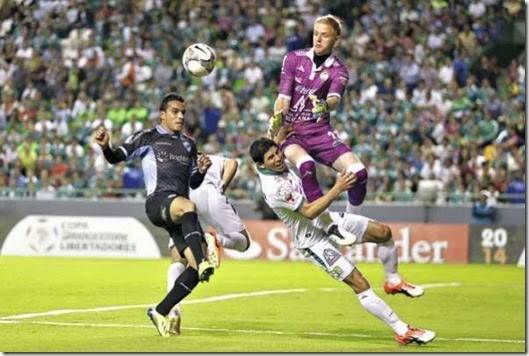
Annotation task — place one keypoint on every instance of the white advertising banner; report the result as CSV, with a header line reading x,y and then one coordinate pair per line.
x,y
80,236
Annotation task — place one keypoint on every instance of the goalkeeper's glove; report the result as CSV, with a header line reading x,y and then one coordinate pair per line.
x,y
274,123
319,107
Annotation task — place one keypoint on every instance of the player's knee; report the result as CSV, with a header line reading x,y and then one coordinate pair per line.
x,y
385,233
356,281
360,171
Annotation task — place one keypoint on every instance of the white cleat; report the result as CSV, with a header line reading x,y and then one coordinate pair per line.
x,y
417,335
174,318
341,236
159,321
213,249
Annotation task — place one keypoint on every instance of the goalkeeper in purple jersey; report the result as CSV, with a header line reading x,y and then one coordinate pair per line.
x,y
312,83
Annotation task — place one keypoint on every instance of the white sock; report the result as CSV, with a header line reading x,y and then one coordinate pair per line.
x,y
376,306
173,272
387,253
353,209
233,241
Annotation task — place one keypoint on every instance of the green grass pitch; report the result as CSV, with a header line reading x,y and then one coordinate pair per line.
x,y
99,305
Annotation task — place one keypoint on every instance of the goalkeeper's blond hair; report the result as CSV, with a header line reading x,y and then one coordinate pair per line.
x,y
332,21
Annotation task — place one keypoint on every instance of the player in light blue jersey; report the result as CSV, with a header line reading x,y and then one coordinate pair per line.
x,y
311,86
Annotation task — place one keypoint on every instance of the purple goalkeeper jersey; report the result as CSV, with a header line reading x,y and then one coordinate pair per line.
x,y
300,78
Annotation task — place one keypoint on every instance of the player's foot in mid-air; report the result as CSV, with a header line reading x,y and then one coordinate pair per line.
x,y
205,270
404,287
174,318
213,249
341,236
159,321
417,335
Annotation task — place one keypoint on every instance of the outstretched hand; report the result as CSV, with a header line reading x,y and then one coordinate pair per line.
x,y
319,107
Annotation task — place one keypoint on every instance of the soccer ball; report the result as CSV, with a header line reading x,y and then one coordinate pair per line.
x,y
199,59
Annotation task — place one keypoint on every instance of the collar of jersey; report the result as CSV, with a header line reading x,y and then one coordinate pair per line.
x,y
270,172
162,130
328,62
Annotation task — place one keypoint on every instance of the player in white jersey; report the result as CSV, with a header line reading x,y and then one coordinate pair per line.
x,y
213,209
283,192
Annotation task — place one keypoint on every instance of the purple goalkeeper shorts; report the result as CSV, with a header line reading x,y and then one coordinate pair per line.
x,y
324,146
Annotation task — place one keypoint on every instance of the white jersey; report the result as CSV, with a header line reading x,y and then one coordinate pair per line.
x,y
284,194
214,173
213,208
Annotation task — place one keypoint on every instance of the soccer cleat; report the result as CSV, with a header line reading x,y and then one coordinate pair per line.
x,y
213,249
159,321
205,270
405,288
417,335
174,318
340,236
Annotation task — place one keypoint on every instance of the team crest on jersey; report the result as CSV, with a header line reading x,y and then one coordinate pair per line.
x,y
187,145
324,75
330,256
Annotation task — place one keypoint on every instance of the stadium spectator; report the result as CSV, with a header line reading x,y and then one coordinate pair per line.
x,y
78,47
483,212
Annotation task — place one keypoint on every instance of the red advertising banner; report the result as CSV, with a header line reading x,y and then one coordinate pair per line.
x,y
418,243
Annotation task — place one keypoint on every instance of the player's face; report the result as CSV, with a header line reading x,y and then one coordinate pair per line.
x,y
273,160
172,119
324,39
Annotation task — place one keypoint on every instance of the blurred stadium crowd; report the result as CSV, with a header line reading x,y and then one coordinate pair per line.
x,y
425,100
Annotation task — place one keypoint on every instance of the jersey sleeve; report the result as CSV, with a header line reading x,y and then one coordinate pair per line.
x,y
135,145
287,76
339,83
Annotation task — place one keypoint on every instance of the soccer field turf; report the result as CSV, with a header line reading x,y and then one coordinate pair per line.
x,y
99,305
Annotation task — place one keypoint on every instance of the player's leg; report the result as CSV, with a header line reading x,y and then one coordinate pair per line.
x,y
307,170
176,268
183,286
404,334
162,212
356,195
387,253
328,256
183,211
231,232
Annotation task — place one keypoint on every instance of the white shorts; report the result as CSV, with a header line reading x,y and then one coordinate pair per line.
x,y
213,209
327,255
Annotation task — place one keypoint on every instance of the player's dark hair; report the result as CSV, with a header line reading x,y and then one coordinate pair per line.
x,y
259,148
170,97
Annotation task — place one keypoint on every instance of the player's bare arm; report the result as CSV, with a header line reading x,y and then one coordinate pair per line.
x,y
228,172
344,181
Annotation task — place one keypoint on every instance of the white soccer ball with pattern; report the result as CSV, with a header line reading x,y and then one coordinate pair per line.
x,y
199,59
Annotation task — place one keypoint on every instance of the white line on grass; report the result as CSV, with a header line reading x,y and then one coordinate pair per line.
x,y
245,331
121,307
14,319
